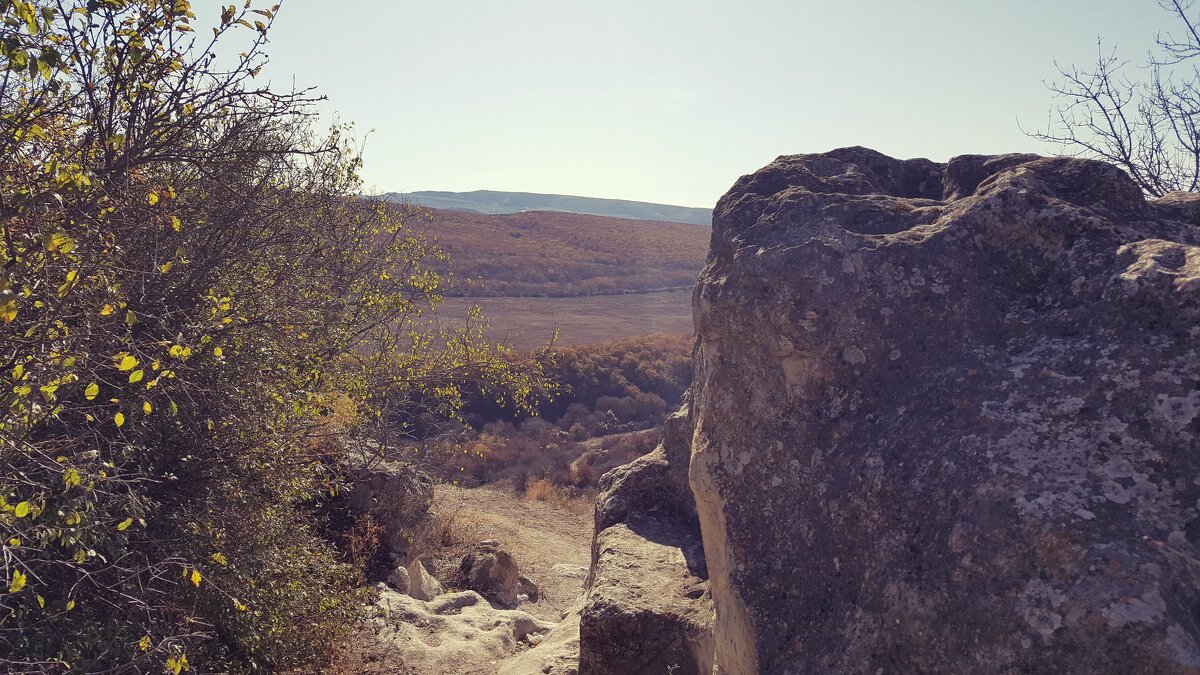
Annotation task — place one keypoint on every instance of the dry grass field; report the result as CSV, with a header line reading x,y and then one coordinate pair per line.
x,y
565,254
529,322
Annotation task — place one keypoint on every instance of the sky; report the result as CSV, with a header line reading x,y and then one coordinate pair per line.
x,y
671,101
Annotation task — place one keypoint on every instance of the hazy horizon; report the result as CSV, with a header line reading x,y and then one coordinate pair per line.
x,y
670,103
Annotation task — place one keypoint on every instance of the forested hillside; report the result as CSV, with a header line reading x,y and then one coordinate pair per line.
x,y
492,201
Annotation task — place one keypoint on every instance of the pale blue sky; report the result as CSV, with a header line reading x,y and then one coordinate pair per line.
x,y
670,101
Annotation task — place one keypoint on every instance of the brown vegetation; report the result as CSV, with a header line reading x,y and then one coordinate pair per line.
x,y
564,254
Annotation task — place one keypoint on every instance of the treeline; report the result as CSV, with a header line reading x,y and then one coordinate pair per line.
x,y
605,388
194,308
565,254
611,398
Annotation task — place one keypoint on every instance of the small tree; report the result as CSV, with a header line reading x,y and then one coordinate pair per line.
x,y
1150,125
189,285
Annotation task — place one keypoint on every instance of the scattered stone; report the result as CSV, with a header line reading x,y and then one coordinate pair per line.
x,y
398,580
555,653
422,585
527,590
492,572
569,571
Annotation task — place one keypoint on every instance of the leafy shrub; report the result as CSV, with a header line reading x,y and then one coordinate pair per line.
x,y
194,307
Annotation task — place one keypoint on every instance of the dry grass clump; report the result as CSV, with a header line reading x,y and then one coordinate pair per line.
x,y
567,498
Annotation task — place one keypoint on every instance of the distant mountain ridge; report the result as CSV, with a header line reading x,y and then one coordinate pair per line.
x,y
495,202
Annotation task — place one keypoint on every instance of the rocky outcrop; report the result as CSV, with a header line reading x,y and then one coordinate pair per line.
x,y
453,633
399,498
945,418
647,608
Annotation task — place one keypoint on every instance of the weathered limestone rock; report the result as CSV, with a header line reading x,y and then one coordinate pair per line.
x,y
398,580
422,585
647,608
455,633
556,653
491,571
527,589
400,499
945,418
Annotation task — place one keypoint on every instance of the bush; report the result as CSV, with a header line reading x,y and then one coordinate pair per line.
x,y
194,307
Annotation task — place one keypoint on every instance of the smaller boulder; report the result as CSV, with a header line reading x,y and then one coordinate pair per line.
x,y
490,571
421,584
399,580
527,590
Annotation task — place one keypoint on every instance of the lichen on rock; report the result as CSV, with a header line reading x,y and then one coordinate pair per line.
x,y
946,418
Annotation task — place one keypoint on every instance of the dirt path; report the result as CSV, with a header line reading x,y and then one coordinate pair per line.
x,y
552,546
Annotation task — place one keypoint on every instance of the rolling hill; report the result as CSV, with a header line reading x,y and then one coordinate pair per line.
x,y
554,254
493,202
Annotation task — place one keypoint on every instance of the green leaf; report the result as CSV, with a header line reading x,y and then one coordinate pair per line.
x,y
124,524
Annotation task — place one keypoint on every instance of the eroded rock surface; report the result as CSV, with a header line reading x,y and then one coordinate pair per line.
x,y
946,418
453,633
647,608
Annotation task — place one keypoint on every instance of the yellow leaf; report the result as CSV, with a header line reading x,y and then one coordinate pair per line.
x,y
196,578
106,310
136,376
130,317
119,419
124,524
127,362
166,267
22,509
176,224
70,605
218,352
152,198
41,602
237,604
147,408
15,541
220,559
92,391
144,643
18,582
8,310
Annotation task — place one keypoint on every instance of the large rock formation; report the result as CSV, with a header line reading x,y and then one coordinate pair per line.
x,y
946,418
